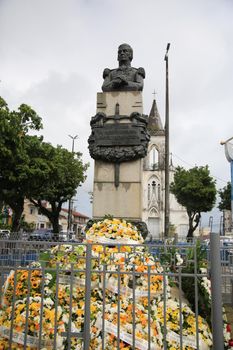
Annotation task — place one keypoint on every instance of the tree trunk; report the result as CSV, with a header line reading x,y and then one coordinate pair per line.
x,y
17,207
190,233
194,219
55,222
52,215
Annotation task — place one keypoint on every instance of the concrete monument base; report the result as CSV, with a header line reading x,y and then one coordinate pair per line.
x,y
123,201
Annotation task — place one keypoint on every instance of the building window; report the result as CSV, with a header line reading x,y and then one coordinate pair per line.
x,y
159,195
31,211
153,191
153,187
153,158
148,192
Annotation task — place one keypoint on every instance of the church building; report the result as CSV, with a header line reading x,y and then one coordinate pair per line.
x,y
154,184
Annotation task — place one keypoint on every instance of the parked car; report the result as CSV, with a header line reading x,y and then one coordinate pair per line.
x,y
48,235
71,236
41,235
63,236
4,234
66,236
24,236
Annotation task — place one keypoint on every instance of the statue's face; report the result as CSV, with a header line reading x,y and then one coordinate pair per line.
x,y
124,53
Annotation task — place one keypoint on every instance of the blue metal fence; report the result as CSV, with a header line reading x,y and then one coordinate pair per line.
x,y
106,296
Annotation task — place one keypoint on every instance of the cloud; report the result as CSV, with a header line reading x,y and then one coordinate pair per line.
x,y
53,53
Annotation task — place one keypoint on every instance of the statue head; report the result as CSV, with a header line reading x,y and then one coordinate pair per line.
x,y
125,53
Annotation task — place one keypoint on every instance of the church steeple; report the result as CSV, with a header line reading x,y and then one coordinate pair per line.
x,y
155,126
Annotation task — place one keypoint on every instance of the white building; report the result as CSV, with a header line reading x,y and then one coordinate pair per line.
x,y
32,215
153,184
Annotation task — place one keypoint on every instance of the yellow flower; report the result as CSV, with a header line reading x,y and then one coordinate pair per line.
x,y
79,312
19,319
93,308
20,307
50,314
35,306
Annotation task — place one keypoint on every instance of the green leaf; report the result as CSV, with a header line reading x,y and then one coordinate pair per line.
x,y
45,256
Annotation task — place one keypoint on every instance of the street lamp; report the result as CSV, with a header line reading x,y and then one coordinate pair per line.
x,y
70,200
166,206
211,223
73,138
229,155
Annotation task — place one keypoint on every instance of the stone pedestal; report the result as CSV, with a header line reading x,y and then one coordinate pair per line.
x,y
121,198
123,201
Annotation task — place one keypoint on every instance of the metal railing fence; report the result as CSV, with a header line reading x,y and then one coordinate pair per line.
x,y
57,295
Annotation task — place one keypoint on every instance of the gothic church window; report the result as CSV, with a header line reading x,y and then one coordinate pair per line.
x,y
153,187
148,192
153,194
153,158
159,193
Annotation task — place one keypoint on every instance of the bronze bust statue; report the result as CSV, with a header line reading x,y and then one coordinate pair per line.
x,y
124,78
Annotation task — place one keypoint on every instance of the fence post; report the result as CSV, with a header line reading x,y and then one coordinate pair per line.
x,y
87,317
216,291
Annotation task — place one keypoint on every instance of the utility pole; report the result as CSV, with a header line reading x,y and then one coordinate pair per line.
x,y
229,155
69,221
166,206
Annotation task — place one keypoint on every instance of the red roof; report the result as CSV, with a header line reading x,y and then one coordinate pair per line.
x,y
76,213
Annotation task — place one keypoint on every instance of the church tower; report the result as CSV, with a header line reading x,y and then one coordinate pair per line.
x,y
154,183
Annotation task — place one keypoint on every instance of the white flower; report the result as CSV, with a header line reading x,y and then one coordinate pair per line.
x,y
67,248
48,302
179,260
54,249
37,299
173,304
35,264
207,285
59,342
139,327
227,335
74,328
65,318
203,270
140,307
47,291
144,283
48,276
59,310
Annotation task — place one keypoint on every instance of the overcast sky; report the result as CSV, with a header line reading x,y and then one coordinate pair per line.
x,y
53,52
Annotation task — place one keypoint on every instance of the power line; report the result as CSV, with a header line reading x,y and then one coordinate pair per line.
x,y
182,160
191,165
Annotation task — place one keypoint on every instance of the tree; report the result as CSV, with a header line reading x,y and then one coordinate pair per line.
x,y
31,168
66,172
225,197
195,190
14,128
